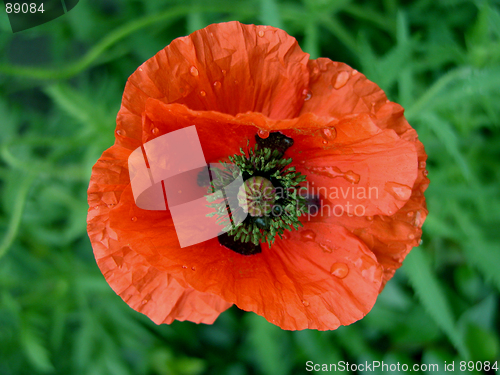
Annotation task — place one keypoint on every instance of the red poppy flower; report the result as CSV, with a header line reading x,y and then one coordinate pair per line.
x,y
361,159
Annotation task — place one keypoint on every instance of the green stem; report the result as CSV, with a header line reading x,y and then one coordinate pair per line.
x,y
15,220
381,20
97,50
337,29
311,39
47,168
435,90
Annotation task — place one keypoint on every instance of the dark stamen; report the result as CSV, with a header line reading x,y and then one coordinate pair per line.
x,y
243,248
275,141
313,203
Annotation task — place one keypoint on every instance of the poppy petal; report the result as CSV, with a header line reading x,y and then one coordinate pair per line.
x,y
364,165
230,68
331,281
337,90
146,289
392,238
220,135
363,171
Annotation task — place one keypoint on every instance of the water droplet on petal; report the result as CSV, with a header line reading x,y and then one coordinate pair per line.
x,y
398,258
307,235
217,85
334,172
307,94
341,80
410,214
203,93
425,172
351,177
315,70
418,217
96,207
155,131
398,191
224,72
134,218
193,268
193,71
263,134
369,218
368,267
422,164
339,270
420,242
411,236
354,72
184,267
261,33
144,301
305,303
120,132
329,133
285,235
325,248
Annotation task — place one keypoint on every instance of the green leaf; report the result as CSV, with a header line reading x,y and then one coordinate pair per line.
x,y
270,345
311,42
448,137
431,295
270,13
80,107
480,252
195,21
35,349
482,344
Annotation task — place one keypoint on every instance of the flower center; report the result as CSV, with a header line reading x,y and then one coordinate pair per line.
x,y
270,196
257,196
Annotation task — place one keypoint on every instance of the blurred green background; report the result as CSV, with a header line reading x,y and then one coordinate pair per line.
x,y
60,89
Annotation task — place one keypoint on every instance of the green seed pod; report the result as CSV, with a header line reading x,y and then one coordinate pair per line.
x,y
256,196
